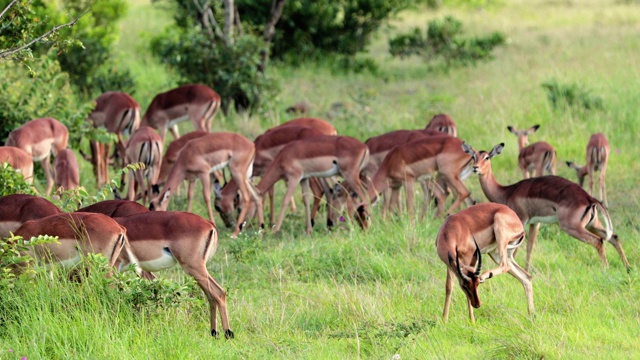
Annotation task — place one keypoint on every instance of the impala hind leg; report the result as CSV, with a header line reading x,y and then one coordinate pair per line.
x,y
531,243
577,230
597,229
448,287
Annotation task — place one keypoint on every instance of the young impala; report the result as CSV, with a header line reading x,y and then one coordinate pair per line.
x,y
539,156
549,199
597,158
196,102
40,138
487,227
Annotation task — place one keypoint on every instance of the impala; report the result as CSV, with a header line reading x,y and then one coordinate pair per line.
x,y
196,102
420,160
115,208
39,138
539,156
320,156
597,158
490,228
145,146
18,208
379,146
19,160
67,174
119,113
549,199
159,240
324,126
172,152
443,123
78,234
267,146
206,154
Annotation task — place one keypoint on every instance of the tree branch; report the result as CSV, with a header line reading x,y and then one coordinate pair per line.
x,y
9,52
270,30
7,8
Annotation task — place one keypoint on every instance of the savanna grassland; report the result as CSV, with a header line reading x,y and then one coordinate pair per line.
x,y
353,294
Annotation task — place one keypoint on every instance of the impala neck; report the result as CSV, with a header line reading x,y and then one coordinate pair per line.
x,y
492,190
175,177
270,177
377,185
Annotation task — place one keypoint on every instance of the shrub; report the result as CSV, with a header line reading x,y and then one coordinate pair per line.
x,y
12,182
443,41
571,96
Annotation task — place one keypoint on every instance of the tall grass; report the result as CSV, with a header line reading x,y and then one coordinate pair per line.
x,y
354,294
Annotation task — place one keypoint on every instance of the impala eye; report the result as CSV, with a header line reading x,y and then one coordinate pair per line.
x,y
486,158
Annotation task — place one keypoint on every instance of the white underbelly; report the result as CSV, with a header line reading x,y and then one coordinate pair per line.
x,y
219,166
8,226
72,261
175,121
163,262
333,170
552,219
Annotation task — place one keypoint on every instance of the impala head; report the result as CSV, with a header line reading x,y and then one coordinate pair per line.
x,y
482,159
161,202
362,216
523,135
225,205
468,276
580,170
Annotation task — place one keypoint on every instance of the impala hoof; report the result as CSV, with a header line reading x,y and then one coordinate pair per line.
x,y
228,334
214,333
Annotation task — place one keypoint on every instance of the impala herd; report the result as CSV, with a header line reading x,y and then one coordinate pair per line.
x,y
305,151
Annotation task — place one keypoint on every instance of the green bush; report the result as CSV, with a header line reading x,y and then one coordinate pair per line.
x,y
571,96
444,42
12,182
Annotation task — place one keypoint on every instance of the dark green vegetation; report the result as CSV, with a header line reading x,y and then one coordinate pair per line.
x,y
350,294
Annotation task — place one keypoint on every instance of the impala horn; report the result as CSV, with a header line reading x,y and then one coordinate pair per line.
x,y
479,256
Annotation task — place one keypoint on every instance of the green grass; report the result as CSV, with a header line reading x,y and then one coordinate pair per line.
x,y
353,294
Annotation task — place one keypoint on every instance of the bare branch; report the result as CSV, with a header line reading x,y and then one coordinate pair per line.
x,y
229,15
270,30
9,52
7,8
216,27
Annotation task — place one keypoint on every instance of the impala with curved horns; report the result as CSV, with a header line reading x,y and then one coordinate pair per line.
x,y
40,138
119,113
196,102
549,199
487,227
597,159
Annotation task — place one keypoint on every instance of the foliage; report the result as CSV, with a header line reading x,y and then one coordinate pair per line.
x,y
313,29
14,251
232,70
443,41
571,96
12,182
141,293
43,93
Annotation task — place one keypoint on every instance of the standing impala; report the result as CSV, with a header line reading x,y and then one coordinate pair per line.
x,y
196,102
145,146
488,227
422,159
39,138
119,113
539,156
319,156
159,240
549,199
67,174
206,154
16,209
443,123
597,158
19,160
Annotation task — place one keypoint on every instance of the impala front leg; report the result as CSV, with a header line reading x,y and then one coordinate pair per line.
x,y
306,198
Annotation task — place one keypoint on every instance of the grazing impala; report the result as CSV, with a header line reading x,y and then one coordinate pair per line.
x,y
490,228
443,123
78,234
159,240
422,159
319,156
539,156
18,208
145,146
119,113
549,199
196,102
597,158
173,151
19,160
206,154
39,138
67,174
267,145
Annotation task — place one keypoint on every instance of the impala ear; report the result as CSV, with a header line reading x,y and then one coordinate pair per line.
x,y
533,129
512,130
496,150
468,150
